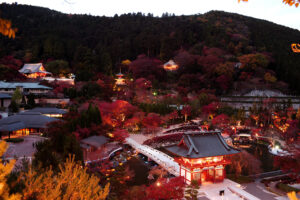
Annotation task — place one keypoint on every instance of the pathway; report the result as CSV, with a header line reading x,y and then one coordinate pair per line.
x,y
159,157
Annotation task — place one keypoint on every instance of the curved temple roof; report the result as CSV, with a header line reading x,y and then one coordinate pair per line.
x,y
202,144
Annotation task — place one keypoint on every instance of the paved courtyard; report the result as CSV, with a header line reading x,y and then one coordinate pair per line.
x,y
22,149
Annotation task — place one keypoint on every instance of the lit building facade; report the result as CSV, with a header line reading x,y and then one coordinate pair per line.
x,y
202,156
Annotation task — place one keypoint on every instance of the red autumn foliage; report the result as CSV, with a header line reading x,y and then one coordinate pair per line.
x,y
186,111
152,121
223,82
290,164
116,113
210,108
167,189
142,83
120,135
221,119
149,68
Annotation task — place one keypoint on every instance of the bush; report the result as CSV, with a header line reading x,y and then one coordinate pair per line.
x,y
14,140
285,188
240,179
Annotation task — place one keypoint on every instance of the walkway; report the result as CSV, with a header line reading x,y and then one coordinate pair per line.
x,y
159,157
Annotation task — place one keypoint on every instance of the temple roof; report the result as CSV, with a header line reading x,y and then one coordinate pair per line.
x,y
33,68
25,85
25,120
201,144
48,110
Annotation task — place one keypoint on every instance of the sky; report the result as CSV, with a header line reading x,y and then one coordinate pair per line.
x,y
271,10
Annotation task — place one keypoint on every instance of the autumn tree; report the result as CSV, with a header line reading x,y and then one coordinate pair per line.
x,y
186,111
71,182
152,121
6,28
120,135
5,170
245,163
166,188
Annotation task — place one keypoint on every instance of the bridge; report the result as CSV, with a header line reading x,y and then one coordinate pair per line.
x,y
164,160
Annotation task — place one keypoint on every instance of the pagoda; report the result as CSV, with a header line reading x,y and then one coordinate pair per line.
x,y
202,156
120,80
170,66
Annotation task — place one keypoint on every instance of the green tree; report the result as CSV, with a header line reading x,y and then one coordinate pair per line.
x,y
17,96
191,191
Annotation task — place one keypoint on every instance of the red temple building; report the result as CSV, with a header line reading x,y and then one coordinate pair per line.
x,y
202,156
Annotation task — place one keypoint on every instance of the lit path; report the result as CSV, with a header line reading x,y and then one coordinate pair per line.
x,y
159,157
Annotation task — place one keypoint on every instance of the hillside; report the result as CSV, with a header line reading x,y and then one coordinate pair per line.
x,y
206,46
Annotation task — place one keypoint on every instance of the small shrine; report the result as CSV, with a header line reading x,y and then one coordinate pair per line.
x,y
171,66
120,80
201,156
35,70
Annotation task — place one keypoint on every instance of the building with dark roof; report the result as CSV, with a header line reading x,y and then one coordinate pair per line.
x,y
24,123
49,111
5,100
202,156
24,87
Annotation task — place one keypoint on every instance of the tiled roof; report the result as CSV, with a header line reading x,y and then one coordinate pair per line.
x,y
25,85
25,120
201,144
33,68
48,110
95,141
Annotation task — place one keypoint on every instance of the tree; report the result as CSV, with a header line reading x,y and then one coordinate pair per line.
x,y
152,121
186,111
13,107
191,192
120,135
17,96
31,102
5,169
166,188
6,28
71,182
244,162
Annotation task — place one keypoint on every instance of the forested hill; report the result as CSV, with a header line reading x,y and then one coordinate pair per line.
x,y
88,44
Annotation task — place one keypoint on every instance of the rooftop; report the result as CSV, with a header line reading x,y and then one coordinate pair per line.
x,y
25,85
201,144
25,120
33,68
95,141
48,110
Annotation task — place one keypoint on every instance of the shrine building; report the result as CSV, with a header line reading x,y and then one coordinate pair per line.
x,y
36,70
202,156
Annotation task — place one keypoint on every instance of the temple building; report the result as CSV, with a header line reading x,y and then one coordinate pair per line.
x,y
202,156
36,70
170,66
24,123
120,80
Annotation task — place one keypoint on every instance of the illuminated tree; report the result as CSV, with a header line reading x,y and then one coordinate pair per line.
x,y
71,182
6,28
289,2
4,171
186,111
166,188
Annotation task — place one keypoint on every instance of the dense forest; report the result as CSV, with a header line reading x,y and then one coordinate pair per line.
x,y
206,46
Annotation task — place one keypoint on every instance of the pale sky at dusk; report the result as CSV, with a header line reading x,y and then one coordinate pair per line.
x,y
271,10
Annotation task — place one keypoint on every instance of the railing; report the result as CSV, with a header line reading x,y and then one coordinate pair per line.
x,y
170,167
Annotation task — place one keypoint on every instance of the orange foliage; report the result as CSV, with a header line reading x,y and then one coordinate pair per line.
x,y
6,29
289,2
